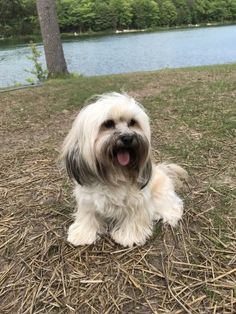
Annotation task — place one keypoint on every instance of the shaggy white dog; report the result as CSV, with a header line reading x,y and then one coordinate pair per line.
x,y
117,187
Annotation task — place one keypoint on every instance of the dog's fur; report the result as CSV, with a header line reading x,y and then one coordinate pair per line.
x,y
117,187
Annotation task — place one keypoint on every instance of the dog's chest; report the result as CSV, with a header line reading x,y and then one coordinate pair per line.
x,y
117,202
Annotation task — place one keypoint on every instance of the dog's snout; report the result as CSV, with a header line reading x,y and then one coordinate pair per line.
x,y
127,139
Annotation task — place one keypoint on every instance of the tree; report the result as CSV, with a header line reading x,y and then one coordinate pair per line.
x,y
55,59
104,16
231,4
146,14
83,13
65,18
168,13
11,13
19,17
183,12
217,10
201,9
122,13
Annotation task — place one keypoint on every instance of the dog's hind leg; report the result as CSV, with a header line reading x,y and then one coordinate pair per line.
x,y
166,203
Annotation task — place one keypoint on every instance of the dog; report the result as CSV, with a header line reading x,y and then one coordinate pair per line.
x,y
118,189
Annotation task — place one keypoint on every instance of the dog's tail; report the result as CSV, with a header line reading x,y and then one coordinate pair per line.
x,y
177,174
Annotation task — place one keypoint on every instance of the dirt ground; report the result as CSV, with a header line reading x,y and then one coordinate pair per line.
x,y
188,269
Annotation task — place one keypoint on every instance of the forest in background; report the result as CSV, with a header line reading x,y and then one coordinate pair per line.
x,y
19,17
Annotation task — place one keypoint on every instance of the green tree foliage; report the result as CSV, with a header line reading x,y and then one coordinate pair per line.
x,y
83,14
217,11
145,14
10,15
77,15
231,6
65,17
122,13
183,12
19,16
105,16
168,13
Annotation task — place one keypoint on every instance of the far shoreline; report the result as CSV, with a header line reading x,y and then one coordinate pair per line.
x,y
146,30
24,39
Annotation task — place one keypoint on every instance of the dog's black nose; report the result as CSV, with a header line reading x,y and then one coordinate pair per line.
x,y
127,139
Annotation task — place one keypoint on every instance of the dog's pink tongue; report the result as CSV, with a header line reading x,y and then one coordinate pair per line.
x,y
123,158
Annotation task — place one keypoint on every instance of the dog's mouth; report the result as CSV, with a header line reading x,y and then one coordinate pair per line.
x,y
123,157
125,151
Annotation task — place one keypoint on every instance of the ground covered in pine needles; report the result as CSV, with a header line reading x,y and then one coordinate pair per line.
x,y
189,269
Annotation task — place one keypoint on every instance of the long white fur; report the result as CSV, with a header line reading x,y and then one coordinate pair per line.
x,y
133,209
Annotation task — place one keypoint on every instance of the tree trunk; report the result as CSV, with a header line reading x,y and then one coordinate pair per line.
x,y
55,59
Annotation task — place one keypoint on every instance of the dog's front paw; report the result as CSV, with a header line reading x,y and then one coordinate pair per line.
x,y
78,235
131,236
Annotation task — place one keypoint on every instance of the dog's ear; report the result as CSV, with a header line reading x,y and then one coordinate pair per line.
x,y
146,174
78,169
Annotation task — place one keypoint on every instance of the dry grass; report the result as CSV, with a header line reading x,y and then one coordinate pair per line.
x,y
190,269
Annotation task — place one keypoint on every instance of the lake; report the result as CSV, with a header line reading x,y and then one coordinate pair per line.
x,y
132,52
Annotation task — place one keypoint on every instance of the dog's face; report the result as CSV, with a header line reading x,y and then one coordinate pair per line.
x,y
109,143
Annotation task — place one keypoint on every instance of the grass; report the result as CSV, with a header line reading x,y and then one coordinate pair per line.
x,y
190,269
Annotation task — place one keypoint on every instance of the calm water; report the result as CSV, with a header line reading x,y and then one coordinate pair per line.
x,y
129,53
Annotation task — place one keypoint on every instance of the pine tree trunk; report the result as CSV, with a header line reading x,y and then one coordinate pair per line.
x,y
55,59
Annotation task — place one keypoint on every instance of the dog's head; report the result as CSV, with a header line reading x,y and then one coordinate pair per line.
x,y
109,143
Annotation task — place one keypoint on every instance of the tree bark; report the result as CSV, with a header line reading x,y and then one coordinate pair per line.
x,y
54,54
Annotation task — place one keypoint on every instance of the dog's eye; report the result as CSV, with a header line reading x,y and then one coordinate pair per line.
x,y
132,122
109,124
